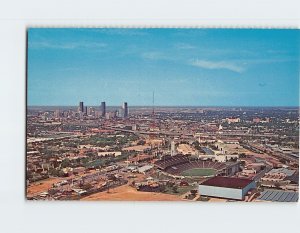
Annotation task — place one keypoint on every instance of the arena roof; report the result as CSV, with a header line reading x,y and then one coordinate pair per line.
x,y
227,182
279,196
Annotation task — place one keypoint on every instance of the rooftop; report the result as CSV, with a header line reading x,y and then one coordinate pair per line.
x,y
227,182
279,196
286,171
145,168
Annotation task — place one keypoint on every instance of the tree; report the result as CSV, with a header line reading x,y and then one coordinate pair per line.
x,y
282,161
52,191
90,154
175,189
141,142
61,173
87,186
65,163
53,172
162,188
242,155
194,192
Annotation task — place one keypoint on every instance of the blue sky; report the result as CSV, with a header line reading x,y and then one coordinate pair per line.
x,y
189,67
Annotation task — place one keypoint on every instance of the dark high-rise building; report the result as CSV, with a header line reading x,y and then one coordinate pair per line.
x,y
85,110
103,109
81,108
125,109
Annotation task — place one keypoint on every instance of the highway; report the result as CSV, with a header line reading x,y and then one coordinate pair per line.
x,y
180,134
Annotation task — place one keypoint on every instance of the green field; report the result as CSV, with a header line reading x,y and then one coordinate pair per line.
x,y
199,172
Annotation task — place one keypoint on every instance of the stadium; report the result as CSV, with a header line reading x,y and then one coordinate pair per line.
x,y
180,166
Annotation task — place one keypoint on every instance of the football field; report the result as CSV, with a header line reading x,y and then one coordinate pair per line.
x,y
199,172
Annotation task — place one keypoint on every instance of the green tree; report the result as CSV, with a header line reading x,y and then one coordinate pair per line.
x,y
175,189
65,163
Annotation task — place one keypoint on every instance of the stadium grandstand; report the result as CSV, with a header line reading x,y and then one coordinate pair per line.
x,y
180,165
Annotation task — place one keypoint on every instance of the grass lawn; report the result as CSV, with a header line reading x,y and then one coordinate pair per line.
x,y
199,172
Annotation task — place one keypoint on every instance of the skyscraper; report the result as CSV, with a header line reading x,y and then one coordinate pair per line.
x,y
57,113
103,109
81,108
85,110
90,111
125,109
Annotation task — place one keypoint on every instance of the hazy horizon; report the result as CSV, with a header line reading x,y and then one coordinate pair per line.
x,y
175,106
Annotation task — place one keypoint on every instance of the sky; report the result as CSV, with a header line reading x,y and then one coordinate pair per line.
x,y
184,67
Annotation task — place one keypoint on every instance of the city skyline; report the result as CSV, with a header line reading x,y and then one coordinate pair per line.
x,y
185,67
202,115
171,106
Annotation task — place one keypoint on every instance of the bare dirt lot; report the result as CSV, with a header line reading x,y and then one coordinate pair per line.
x,y
41,186
127,193
186,149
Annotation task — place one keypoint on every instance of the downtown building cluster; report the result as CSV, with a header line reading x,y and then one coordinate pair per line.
x,y
121,112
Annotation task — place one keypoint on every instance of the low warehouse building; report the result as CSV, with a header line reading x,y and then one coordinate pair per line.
x,y
226,187
278,196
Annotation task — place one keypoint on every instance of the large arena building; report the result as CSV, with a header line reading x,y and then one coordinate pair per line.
x,y
226,187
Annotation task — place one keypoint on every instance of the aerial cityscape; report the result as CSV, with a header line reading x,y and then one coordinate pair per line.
x,y
203,115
